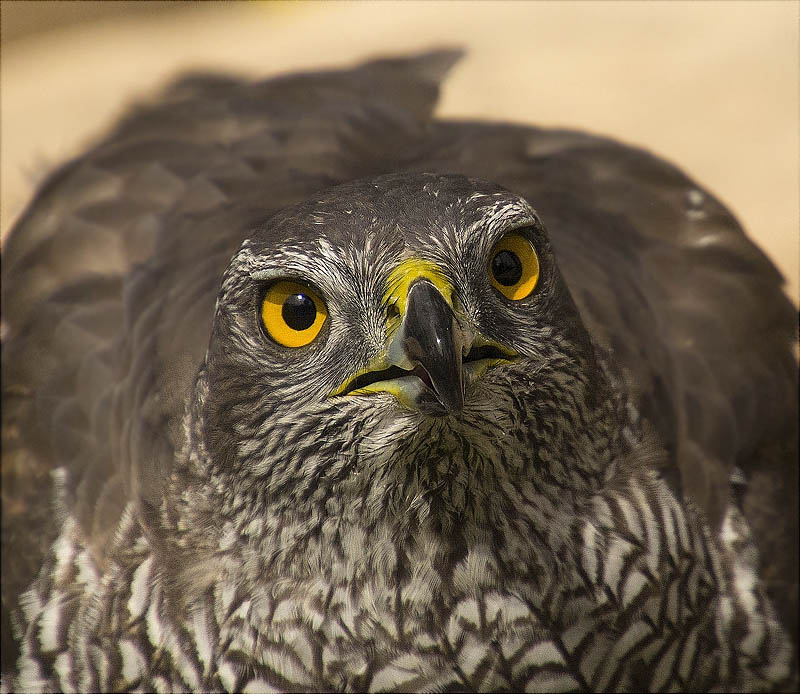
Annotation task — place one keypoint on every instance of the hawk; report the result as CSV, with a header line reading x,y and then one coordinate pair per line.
x,y
330,394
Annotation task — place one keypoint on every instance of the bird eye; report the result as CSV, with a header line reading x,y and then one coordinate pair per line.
x,y
292,313
514,267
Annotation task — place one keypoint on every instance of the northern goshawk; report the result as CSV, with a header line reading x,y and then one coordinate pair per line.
x,y
324,408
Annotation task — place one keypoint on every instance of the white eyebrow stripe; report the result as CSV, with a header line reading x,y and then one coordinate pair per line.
x,y
268,274
285,263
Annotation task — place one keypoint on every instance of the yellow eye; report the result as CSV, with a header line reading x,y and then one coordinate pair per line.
x,y
292,313
514,267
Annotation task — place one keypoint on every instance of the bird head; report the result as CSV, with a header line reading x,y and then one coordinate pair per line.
x,y
398,348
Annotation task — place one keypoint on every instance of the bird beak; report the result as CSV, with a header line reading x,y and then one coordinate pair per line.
x,y
429,344
429,353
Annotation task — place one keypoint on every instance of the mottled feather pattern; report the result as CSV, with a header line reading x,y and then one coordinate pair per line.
x,y
602,514
642,599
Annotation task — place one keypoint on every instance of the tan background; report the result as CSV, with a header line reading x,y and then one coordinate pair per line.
x,y
714,87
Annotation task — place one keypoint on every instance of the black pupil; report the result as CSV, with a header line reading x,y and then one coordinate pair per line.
x,y
507,268
299,311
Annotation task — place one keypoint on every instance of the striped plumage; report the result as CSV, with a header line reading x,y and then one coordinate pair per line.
x,y
654,608
230,517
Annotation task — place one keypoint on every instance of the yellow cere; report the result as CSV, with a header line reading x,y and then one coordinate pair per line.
x,y
522,248
404,275
286,294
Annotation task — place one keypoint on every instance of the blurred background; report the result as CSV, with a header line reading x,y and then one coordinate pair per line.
x,y
713,87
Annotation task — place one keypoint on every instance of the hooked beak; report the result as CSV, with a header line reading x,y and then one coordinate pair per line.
x,y
429,355
429,343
